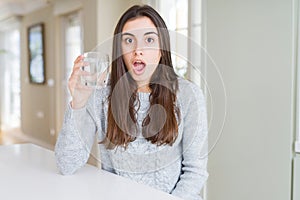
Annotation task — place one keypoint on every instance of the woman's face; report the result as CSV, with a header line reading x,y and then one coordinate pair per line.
x,y
140,49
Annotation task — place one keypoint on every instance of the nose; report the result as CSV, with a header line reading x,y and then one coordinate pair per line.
x,y
138,52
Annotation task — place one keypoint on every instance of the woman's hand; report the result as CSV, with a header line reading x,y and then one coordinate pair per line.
x,y
80,92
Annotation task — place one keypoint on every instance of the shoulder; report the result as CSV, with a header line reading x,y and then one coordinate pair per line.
x,y
189,91
190,97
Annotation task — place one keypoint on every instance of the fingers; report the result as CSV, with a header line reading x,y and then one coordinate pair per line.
x,y
79,91
78,63
77,69
79,58
74,81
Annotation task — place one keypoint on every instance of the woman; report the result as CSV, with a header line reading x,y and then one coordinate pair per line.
x,y
151,124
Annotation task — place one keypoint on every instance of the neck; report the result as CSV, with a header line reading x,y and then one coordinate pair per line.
x,y
144,89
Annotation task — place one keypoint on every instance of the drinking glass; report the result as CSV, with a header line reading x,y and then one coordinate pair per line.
x,y
98,68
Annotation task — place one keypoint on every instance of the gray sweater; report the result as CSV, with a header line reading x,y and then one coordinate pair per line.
x,y
179,169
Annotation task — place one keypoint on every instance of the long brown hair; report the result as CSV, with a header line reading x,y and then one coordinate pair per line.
x,y
123,98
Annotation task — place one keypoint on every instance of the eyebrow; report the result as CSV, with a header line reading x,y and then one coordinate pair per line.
x,y
152,32
147,33
127,34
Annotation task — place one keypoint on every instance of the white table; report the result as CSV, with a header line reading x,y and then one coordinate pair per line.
x,y
28,171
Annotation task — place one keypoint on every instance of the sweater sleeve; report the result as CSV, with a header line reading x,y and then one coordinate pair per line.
x,y
194,145
75,139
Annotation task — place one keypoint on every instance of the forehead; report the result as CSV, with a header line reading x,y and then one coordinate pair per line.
x,y
139,25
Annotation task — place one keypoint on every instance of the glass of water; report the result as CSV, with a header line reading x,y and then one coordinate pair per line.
x,y
98,68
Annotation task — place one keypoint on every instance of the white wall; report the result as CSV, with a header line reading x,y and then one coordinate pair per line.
x,y
251,42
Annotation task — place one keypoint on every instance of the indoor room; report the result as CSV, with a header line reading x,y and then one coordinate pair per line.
x,y
220,120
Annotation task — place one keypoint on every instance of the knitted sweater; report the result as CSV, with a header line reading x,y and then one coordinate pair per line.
x,y
179,169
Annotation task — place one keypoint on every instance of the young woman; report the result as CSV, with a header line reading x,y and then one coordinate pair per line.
x,y
151,124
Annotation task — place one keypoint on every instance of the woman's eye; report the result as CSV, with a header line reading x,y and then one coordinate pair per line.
x,y
129,40
149,40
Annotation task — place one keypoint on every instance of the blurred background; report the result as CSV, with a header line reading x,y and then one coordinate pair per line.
x,y
244,55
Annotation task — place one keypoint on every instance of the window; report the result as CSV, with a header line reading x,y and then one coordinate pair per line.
x,y
175,14
183,17
72,37
10,78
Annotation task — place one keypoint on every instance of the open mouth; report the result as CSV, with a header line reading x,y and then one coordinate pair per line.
x,y
138,67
